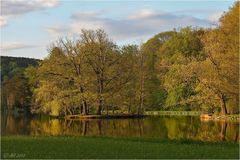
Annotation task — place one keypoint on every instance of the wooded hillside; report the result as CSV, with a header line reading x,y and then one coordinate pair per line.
x,y
14,85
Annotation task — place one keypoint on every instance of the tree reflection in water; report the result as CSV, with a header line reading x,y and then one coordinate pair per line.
x,y
164,127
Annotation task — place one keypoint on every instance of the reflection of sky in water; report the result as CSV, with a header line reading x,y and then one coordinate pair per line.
x,y
164,127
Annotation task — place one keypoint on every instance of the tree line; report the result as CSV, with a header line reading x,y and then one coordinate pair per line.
x,y
186,69
14,85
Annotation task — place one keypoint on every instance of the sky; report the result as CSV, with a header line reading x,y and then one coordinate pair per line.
x,y
28,27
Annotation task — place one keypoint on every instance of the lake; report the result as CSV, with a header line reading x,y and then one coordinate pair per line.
x,y
163,127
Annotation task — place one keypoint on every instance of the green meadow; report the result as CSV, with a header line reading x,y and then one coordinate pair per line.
x,y
113,148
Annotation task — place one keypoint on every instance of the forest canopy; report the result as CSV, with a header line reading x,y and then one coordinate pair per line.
x,y
186,69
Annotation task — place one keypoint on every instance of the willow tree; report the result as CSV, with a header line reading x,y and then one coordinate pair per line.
x,y
51,81
63,75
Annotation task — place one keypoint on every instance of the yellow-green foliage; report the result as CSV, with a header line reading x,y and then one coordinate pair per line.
x,y
55,108
192,69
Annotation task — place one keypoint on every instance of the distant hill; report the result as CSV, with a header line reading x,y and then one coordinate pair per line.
x,y
8,64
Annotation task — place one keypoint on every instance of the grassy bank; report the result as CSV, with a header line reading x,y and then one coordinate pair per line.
x,y
231,117
179,113
101,147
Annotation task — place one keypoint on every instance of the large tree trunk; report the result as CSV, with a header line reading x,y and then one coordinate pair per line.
x,y
84,108
100,91
84,104
129,110
70,112
81,109
129,106
113,108
65,111
223,105
107,109
140,108
100,104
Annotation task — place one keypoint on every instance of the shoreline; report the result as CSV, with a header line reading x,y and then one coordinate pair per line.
x,y
230,117
109,116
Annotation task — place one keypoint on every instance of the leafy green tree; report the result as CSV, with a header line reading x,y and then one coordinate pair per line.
x,y
103,57
188,69
178,53
154,90
16,92
63,68
219,73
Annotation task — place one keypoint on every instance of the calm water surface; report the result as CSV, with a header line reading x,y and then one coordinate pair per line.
x,y
164,127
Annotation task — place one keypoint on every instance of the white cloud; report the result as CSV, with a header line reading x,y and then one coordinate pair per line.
x,y
142,14
18,7
57,30
87,15
138,25
10,8
49,3
15,46
214,17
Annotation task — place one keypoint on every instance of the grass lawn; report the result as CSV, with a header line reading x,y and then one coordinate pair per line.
x,y
104,147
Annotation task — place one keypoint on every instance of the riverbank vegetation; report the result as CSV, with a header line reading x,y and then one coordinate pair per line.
x,y
119,148
187,69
